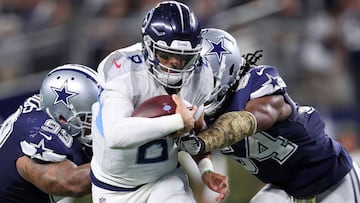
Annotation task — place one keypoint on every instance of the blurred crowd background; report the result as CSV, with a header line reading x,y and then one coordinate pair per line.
x,y
314,44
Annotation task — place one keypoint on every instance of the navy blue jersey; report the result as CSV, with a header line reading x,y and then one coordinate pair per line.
x,y
295,154
31,132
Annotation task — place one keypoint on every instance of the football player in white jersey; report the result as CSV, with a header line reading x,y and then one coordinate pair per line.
x,y
134,158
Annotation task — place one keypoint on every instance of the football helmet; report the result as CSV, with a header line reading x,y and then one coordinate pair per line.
x,y
221,51
67,94
171,29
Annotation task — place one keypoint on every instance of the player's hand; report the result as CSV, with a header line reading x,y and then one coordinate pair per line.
x,y
190,143
187,113
217,183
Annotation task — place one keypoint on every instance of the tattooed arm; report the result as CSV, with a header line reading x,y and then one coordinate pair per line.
x,y
63,178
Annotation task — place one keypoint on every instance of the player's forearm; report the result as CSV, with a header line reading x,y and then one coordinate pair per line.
x,y
76,180
135,131
228,129
197,158
63,179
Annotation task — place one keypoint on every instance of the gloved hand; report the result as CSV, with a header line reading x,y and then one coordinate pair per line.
x,y
190,143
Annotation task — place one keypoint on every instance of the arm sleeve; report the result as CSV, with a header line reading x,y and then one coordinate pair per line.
x,y
228,129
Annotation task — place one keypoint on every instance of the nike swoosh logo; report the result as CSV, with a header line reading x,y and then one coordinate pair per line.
x,y
260,72
46,137
116,64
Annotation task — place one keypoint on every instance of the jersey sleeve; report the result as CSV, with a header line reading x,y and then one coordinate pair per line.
x,y
258,82
123,88
51,143
117,64
265,80
113,122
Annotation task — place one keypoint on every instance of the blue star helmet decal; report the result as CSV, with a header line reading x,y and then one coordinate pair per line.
x,y
218,49
63,94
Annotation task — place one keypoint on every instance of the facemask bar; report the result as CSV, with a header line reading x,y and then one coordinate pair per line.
x,y
79,125
167,76
80,120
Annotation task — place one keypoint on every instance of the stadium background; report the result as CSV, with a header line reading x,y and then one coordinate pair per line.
x,y
314,44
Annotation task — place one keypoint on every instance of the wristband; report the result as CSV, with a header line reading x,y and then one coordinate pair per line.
x,y
205,165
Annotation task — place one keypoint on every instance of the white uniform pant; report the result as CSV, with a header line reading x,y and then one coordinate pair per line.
x,y
172,188
346,191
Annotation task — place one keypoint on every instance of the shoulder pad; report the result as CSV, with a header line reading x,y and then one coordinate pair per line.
x,y
120,62
265,80
32,103
49,142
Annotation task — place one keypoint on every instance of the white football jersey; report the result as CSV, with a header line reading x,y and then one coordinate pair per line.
x,y
131,151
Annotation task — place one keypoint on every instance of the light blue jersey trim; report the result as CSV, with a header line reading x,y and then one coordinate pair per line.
x,y
99,123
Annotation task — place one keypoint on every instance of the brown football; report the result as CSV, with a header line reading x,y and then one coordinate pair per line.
x,y
161,105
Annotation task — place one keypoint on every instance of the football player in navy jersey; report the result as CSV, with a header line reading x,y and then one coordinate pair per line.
x,y
253,120
45,145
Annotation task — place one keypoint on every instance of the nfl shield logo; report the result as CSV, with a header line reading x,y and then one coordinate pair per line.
x,y
102,200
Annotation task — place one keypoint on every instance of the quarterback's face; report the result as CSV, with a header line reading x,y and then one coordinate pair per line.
x,y
174,61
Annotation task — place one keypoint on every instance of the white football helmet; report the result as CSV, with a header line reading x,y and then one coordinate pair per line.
x,y
171,28
67,94
221,51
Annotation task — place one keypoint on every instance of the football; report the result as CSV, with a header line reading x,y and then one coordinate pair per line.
x,y
156,106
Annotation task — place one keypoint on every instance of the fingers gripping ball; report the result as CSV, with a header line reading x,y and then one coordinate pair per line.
x,y
157,106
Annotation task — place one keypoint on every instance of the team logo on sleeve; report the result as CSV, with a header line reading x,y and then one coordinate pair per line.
x,y
218,49
275,82
117,65
63,94
260,72
40,149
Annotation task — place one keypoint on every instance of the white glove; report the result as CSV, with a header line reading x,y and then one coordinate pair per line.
x,y
190,143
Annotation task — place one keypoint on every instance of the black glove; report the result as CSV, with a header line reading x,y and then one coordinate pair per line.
x,y
191,143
